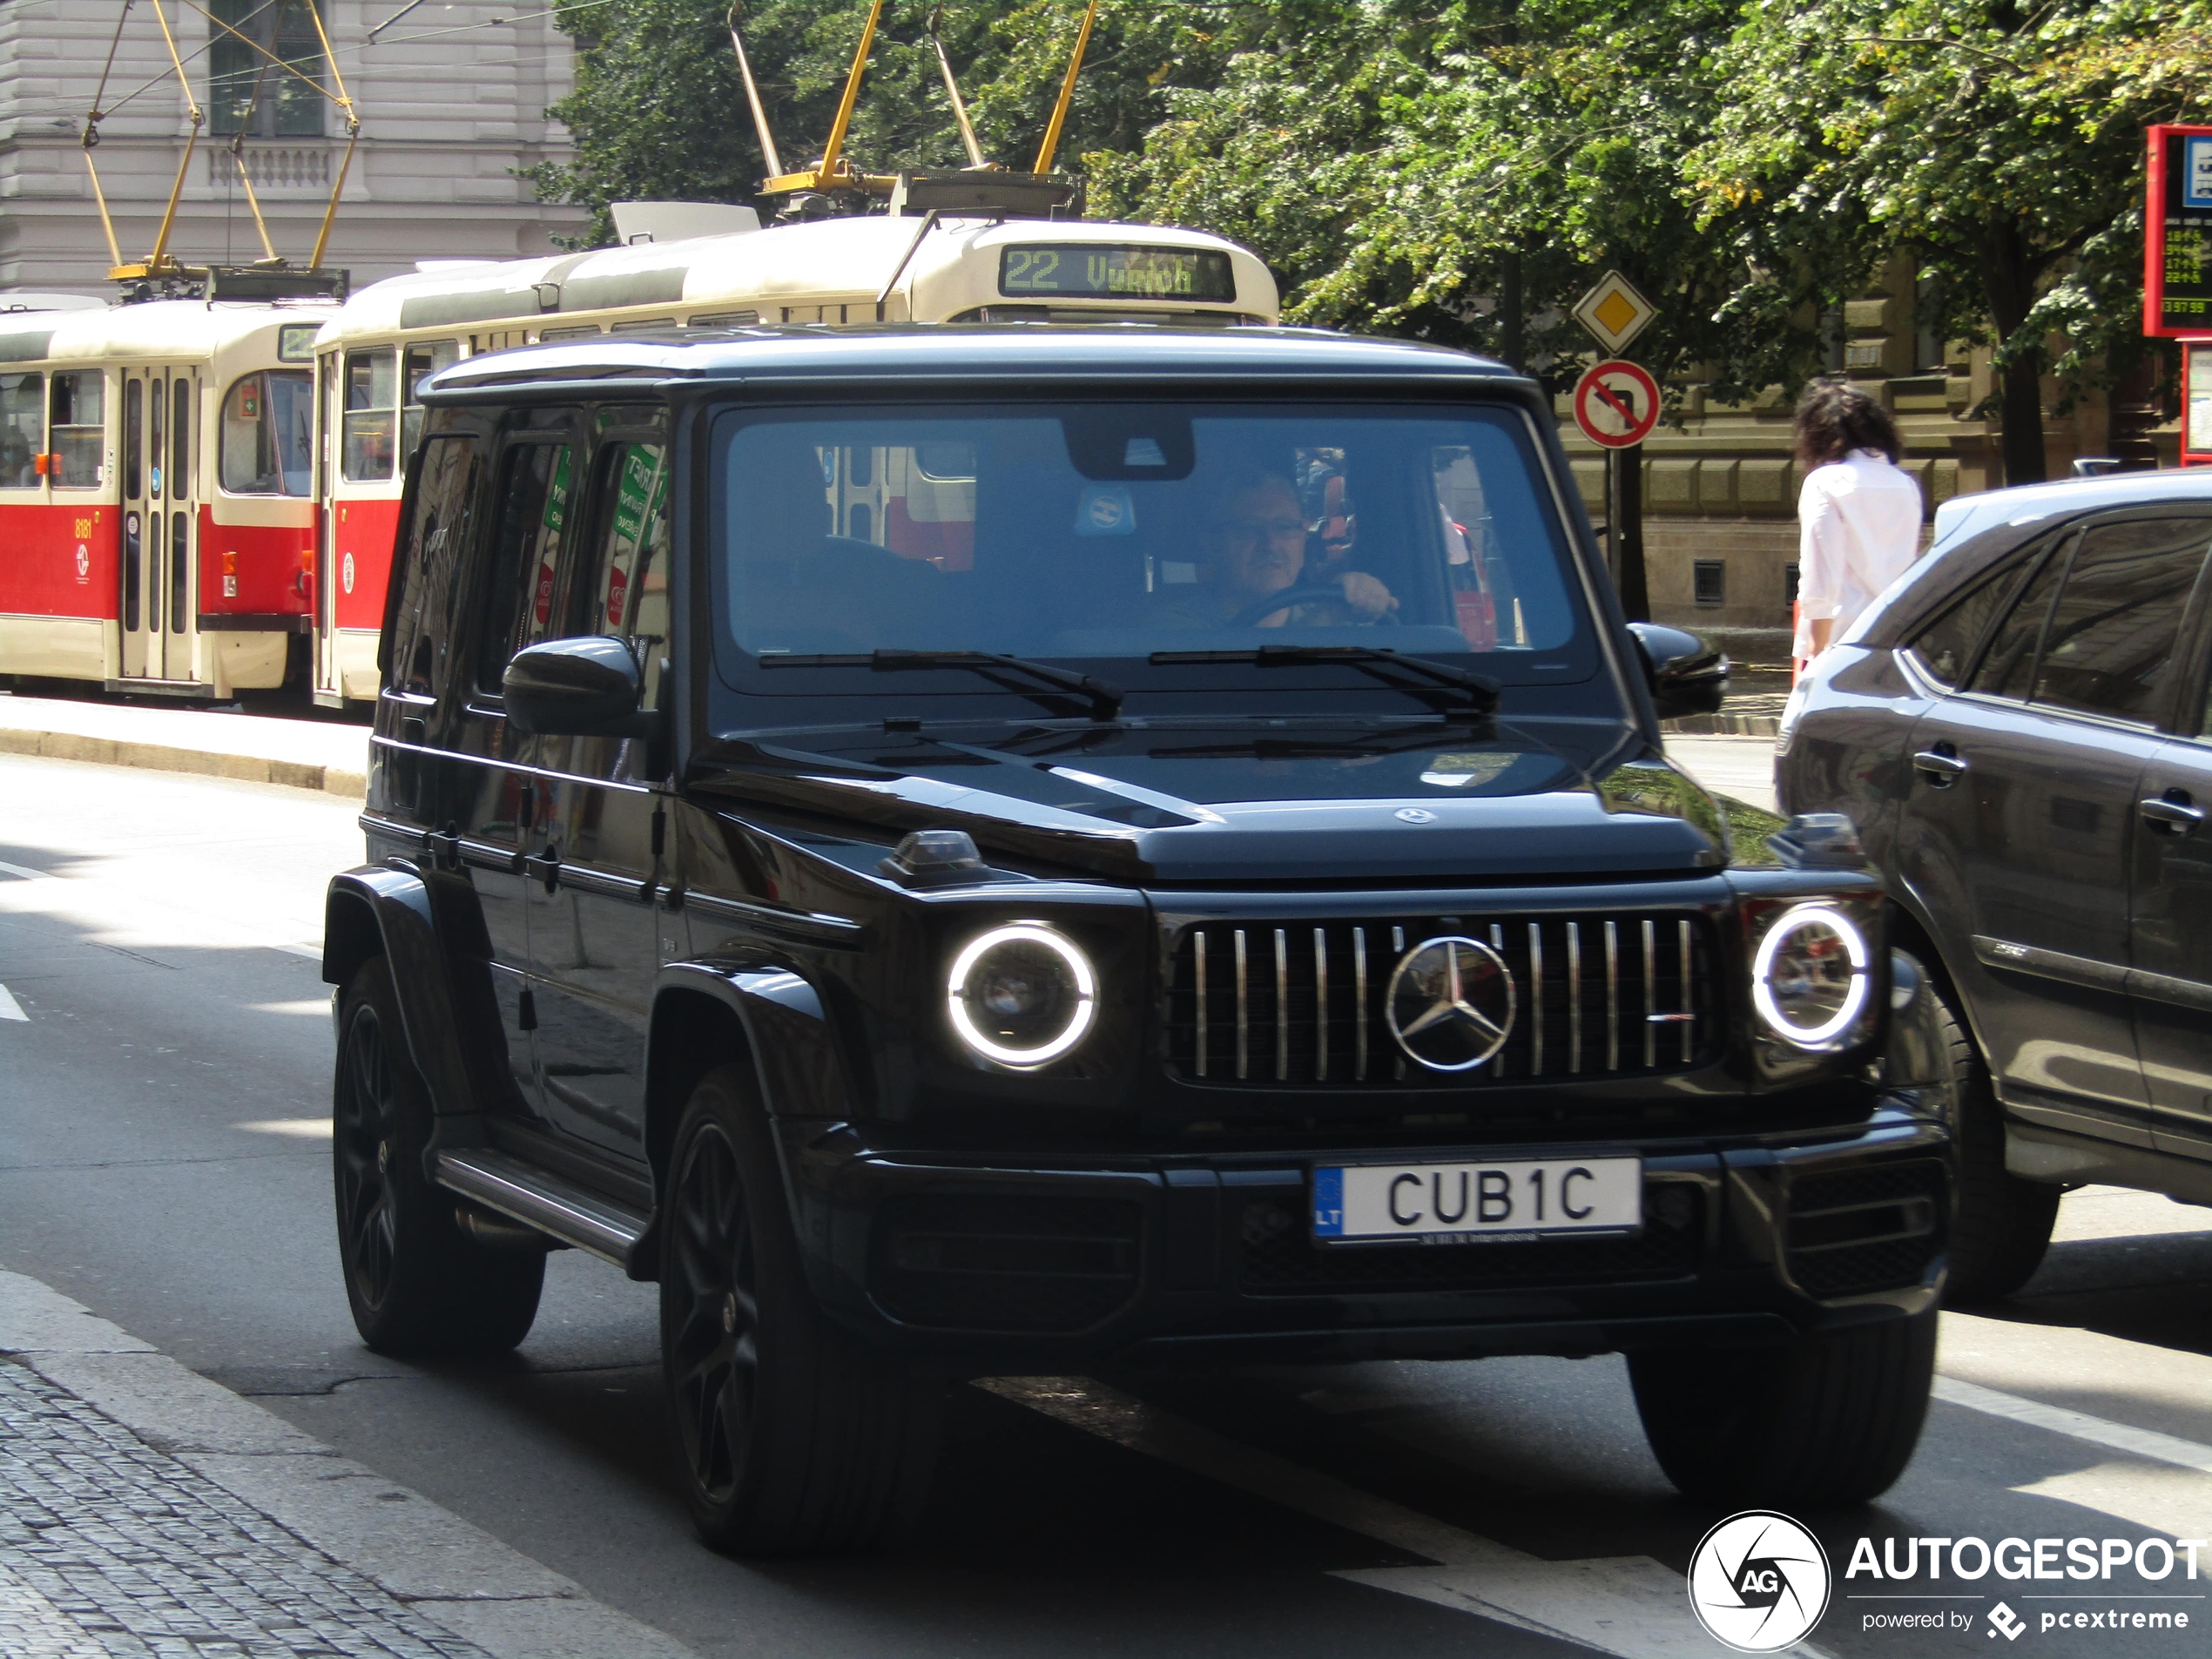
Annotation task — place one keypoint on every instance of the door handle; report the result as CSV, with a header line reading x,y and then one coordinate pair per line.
x,y
2172,813
1939,765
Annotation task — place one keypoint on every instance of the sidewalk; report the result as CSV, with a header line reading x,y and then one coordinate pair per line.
x,y
305,754
145,1511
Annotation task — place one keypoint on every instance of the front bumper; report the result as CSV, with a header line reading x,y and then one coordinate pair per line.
x,y
999,1265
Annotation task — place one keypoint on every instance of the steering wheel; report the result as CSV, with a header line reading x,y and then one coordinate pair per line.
x,y
1251,616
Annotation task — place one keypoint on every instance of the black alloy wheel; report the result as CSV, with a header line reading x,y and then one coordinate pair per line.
x,y
415,1282
714,1314
790,1436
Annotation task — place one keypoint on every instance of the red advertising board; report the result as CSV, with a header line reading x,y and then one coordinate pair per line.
x,y
2177,232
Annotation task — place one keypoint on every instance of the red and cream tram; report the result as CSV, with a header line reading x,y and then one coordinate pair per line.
x,y
156,505
377,349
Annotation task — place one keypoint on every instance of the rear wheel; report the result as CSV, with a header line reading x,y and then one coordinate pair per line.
x,y
789,1437
2002,1223
1825,1420
416,1282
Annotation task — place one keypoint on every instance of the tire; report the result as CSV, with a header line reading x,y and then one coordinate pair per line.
x,y
1824,1421
2001,1225
418,1285
790,1437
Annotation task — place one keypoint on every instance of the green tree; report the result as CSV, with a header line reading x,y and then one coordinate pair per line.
x,y
2002,143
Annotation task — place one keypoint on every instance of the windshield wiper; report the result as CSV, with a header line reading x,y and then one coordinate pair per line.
x,y
1105,700
1481,691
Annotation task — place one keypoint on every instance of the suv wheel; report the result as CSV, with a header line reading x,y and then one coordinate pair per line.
x,y
2001,1225
1828,1419
789,1437
417,1284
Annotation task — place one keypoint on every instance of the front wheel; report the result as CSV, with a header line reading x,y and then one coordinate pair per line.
x,y
1823,1421
416,1282
789,1437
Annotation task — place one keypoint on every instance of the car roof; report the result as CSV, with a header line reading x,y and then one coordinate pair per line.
x,y
1975,532
999,351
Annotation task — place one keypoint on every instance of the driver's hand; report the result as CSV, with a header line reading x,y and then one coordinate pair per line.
x,y
1367,598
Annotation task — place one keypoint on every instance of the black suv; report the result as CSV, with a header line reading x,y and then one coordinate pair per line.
x,y
2020,731
970,852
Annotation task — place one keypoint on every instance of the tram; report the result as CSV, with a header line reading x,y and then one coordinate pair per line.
x,y
922,264
155,494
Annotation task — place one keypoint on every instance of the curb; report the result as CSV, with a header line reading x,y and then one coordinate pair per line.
x,y
1725,725
449,1571
112,751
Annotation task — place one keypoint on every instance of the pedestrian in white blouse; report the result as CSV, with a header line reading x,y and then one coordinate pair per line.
x,y
1858,513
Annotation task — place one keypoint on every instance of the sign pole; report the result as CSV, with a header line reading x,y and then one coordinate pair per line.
x,y
1628,493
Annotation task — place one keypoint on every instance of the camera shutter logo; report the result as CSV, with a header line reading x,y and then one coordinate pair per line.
x,y
1759,1581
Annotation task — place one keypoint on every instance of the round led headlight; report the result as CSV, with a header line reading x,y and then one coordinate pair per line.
x,y
1022,994
1809,976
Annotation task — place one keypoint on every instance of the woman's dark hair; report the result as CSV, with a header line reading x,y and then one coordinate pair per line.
x,y
1834,419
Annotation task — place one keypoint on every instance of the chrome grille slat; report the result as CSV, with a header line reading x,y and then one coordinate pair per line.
x,y
1283,1016
1320,1005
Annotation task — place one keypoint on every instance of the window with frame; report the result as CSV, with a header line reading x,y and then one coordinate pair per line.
x,y
425,615
535,493
1942,648
23,429
2007,665
370,424
623,578
247,92
267,442
78,407
2109,644
420,360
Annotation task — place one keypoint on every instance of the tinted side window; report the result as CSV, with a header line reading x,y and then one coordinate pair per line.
x,y
2112,631
623,578
2007,668
535,493
424,619
1943,647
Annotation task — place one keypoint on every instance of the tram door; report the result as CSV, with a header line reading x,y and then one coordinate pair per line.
x,y
160,577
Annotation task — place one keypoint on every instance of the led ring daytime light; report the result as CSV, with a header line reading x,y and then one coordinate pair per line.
x,y
1022,933
1854,944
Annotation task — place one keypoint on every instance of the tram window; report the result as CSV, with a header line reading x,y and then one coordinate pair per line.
x,y
533,511
268,434
625,571
372,415
180,478
158,402
422,636
79,410
423,359
23,429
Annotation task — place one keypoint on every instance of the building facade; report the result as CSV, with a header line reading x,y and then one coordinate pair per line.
x,y
451,98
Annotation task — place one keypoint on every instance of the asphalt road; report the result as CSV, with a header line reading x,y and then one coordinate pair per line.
x,y
164,1159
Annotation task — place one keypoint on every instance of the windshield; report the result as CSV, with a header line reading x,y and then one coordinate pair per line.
x,y
1102,533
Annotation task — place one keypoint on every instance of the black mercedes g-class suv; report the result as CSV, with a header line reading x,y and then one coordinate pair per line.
x,y
971,852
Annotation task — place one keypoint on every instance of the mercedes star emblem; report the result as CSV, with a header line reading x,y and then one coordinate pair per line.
x,y
1414,815
1450,1003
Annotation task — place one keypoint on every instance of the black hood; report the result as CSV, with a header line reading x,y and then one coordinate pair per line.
x,y
1236,801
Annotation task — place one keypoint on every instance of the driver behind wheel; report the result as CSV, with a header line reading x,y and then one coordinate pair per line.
x,y
1253,546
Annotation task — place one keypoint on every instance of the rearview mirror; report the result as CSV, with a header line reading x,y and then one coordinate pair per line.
x,y
585,688
1686,675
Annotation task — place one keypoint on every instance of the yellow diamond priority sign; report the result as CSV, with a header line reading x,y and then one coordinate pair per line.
x,y
1614,312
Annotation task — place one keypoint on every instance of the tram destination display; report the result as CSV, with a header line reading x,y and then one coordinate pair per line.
x,y
1088,270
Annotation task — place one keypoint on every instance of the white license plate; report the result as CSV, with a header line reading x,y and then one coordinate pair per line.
x,y
1454,1202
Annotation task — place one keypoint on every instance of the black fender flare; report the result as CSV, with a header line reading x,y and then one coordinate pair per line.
x,y
790,1044
386,909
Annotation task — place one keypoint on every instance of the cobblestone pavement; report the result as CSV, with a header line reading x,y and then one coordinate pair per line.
x,y
110,1548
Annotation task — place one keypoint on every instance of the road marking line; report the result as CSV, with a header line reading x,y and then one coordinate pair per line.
x,y
313,953
2143,1442
10,1009
1630,1606
25,871
305,1128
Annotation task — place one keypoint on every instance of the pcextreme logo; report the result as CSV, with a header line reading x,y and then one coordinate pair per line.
x,y
1759,1581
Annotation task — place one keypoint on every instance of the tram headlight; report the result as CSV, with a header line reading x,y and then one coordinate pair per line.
x,y
1812,975
1022,994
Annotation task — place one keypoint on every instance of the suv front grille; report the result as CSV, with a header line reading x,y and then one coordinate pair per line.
x,y
985,1262
1875,1229
1267,1004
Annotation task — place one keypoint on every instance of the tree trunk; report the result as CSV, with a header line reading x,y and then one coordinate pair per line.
x,y
2009,273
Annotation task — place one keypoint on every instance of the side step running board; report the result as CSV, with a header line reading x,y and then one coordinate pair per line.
x,y
572,1214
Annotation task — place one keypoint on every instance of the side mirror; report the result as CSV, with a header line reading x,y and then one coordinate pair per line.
x,y
1686,675
585,688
